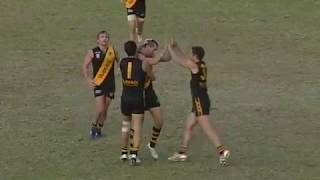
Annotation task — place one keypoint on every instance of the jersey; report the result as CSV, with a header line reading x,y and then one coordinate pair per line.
x,y
138,8
98,58
198,85
133,77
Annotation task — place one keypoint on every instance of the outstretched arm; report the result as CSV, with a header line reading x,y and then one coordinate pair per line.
x,y
162,56
181,58
150,60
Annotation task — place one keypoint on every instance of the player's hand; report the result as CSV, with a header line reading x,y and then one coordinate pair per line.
x,y
91,83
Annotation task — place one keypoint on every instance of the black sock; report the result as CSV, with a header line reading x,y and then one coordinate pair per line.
x,y
94,125
183,150
131,137
220,149
134,151
155,136
99,127
124,150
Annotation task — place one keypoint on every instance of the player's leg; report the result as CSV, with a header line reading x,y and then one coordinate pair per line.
x,y
157,116
137,117
202,109
100,110
140,10
132,22
156,130
181,155
103,114
152,105
136,128
212,133
125,129
126,110
140,25
209,130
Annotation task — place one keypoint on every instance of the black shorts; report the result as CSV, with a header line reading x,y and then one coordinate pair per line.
x,y
139,9
104,91
150,98
201,105
132,105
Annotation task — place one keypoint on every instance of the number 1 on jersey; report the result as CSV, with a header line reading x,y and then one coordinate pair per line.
x,y
129,70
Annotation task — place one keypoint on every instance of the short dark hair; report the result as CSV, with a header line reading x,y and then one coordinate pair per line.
x,y
198,51
130,47
102,32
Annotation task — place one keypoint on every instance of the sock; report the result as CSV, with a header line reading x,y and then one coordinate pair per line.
x,y
155,136
94,125
99,127
124,150
183,150
131,137
134,151
220,149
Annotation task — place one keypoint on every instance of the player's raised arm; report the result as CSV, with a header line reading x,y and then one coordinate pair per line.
x,y
147,68
162,56
181,58
85,68
150,60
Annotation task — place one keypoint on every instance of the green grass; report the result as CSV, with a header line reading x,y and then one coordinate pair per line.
x,y
263,58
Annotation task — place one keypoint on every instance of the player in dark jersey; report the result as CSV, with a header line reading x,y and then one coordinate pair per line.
x,y
200,102
134,73
148,53
102,59
136,12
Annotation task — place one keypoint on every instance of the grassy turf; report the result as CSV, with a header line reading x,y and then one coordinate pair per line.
x,y
263,58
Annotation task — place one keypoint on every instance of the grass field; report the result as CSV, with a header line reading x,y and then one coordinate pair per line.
x,y
264,62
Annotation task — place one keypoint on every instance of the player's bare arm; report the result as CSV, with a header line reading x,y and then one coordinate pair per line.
x,y
147,68
150,60
86,68
161,56
181,58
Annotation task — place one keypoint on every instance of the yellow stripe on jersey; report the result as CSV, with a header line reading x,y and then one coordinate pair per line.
x,y
105,66
198,106
130,3
129,70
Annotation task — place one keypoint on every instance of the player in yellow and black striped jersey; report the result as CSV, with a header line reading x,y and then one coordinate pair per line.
x,y
200,101
136,13
101,60
134,73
